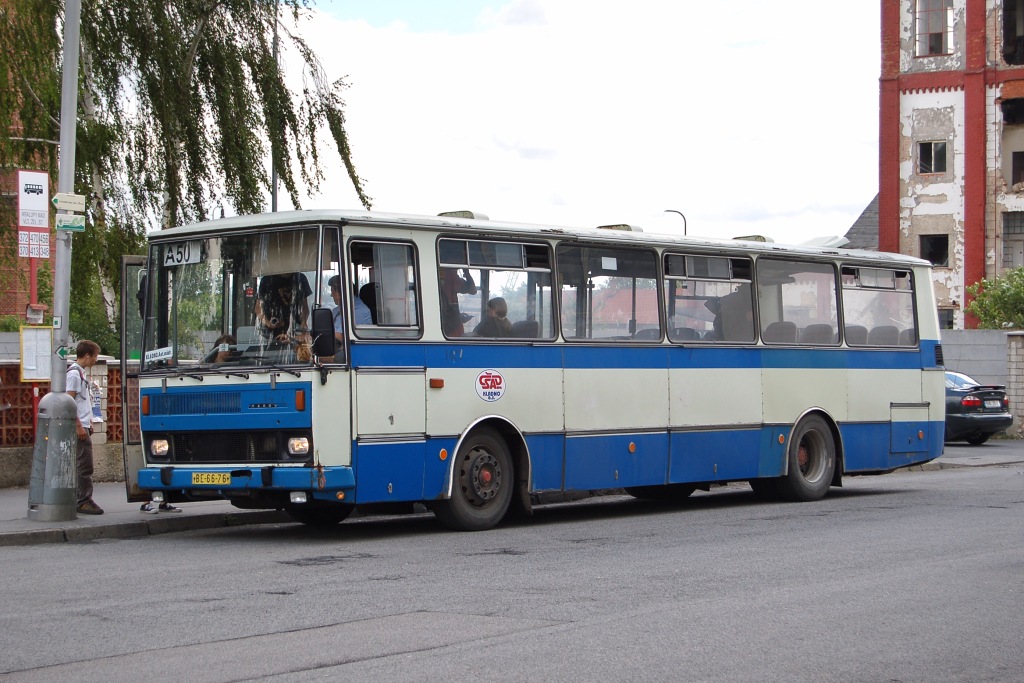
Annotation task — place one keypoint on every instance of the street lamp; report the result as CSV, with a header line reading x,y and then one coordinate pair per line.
x,y
681,214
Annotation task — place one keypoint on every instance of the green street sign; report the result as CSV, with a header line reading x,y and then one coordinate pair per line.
x,y
70,221
63,352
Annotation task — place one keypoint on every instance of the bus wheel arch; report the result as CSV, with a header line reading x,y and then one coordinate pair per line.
x,y
483,478
813,458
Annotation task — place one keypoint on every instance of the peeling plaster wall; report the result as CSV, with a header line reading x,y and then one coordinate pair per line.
x,y
934,204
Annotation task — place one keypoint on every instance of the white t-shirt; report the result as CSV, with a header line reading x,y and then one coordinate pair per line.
x,y
78,382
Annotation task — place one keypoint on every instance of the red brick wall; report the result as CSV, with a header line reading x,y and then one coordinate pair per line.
x,y
17,422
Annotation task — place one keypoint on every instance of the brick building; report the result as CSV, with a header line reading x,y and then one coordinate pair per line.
x,y
951,140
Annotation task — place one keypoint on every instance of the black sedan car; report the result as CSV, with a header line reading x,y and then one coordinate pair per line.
x,y
974,412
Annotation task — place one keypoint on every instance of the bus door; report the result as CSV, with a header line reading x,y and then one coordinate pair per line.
x,y
389,412
133,300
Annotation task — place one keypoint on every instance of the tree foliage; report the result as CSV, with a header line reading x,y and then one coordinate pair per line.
x,y
999,303
182,108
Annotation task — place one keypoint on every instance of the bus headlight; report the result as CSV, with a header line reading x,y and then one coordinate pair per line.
x,y
159,448
298,445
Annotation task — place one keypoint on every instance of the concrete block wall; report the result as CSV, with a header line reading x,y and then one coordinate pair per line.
x,y
1015,383
981,354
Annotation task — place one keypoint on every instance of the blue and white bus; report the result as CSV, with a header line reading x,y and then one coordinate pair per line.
x,y
475,366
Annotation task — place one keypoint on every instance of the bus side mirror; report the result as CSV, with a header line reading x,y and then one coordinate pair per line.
x,y
323,332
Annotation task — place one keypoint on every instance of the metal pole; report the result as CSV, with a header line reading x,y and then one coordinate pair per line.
x,y
273,166
66,183
54,474
681,214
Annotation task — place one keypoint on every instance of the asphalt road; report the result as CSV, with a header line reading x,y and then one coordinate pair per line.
x,y
908,577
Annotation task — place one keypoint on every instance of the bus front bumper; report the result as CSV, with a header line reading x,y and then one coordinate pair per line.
x,y
328,483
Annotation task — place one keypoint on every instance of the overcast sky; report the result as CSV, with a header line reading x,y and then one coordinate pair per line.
x,y
749,117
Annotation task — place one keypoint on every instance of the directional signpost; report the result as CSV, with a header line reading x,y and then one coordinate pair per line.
x,y
66,201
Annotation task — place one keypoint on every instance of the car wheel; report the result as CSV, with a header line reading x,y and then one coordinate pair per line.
x,y
977,439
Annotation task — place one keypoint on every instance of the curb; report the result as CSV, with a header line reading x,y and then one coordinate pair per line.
x,y
936,466
80,534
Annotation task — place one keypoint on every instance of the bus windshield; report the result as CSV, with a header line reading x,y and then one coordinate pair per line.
x,y
237,299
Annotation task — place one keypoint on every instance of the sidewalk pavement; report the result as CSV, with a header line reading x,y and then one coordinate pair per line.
x,y
122,519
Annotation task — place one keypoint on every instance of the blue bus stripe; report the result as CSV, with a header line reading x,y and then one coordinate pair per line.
x,y
587,357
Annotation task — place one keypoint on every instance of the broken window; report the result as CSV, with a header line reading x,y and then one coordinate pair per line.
x,y
1013,31
934,22
931,157
935,248
1013,112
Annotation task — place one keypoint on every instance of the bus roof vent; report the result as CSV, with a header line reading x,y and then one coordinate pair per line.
x,y
826,241
464,214
753,238
621,226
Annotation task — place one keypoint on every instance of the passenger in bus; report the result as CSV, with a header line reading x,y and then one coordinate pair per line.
x,y
225,355
452,284
368,299
282,307
496,324
734,316
360,311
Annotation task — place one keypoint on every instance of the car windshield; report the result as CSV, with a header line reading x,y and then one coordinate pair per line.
x,y
956,380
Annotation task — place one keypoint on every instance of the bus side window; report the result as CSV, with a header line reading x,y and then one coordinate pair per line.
x,y
494,290
384,279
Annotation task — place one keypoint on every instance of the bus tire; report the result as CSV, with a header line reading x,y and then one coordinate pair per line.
x,y
667,493
319,516
812,461
482,484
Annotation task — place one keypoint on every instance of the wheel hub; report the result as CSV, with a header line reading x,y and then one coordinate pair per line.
x,y
483,477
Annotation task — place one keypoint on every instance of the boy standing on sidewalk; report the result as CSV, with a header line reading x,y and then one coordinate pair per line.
x,y
79,389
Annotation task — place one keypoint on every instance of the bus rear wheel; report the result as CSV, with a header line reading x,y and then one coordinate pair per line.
x,y
812,461
319,516
481,486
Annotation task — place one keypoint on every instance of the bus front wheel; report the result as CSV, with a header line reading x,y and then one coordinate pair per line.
x,y
482,483
812,461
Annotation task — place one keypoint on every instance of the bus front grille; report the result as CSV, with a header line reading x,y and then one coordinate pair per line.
x,y
232,447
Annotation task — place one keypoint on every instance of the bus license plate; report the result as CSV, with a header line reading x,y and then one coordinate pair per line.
x,y
215,478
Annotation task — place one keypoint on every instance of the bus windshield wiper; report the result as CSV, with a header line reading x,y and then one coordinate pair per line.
x,y
228,372
181,372
260,364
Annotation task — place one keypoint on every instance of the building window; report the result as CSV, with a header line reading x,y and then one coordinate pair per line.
x,y
931,157
1017,172
1013,31
935,248
946,318
1013,239
934,24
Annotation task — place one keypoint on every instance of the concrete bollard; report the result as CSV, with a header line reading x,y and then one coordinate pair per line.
x,y
52,495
